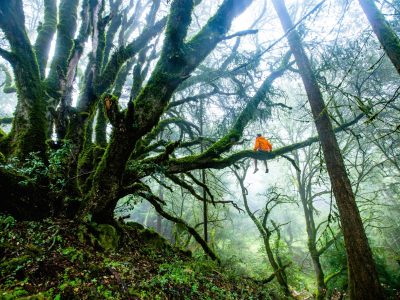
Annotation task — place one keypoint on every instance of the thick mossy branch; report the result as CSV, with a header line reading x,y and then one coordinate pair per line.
x,y
214,30
101,125
99,24
66,88
386,35
178,23
193,162
66,29
46,31
122,76
154,201
115,23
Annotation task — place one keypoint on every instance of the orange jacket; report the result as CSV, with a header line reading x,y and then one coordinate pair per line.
x,y
262,144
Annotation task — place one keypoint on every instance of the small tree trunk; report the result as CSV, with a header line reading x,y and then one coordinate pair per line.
x,y
363,278
279,273
203,173
161,196
319,274
266,235
311,233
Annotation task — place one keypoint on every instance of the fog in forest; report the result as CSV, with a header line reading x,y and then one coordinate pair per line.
x,y
149,114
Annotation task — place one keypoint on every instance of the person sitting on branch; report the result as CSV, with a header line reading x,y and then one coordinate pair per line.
x,y
262,145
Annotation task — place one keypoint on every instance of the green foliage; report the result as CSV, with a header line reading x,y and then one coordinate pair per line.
x,y
32,167
335,266
6,222
36,171
58,161
14,294
389,272
73,254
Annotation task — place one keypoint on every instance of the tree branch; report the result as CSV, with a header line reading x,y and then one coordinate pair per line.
x,y
46,33
8,56
153,200
240,33
189,163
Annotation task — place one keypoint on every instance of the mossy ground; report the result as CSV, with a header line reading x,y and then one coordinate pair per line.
x,y
60,259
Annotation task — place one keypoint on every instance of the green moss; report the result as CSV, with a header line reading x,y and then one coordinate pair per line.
x,y
108,237
88,159
153,239
14,264
112,30
30,124
121,77
178,23
15,294
101,125
46,32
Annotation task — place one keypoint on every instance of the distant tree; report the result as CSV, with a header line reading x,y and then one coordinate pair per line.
x,y
267,228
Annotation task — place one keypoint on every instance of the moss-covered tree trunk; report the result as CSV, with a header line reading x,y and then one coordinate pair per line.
x,y
46,32
29,126
385,34
363,278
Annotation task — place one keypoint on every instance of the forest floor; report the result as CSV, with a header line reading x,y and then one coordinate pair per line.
x,y
60,259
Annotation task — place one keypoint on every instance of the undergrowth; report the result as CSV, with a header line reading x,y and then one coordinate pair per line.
x,y
59,259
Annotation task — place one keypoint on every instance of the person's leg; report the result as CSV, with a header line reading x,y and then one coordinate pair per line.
x,y
255,166
266,166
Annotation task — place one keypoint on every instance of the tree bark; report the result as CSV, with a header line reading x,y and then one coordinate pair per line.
x,y
385,34
363,278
